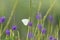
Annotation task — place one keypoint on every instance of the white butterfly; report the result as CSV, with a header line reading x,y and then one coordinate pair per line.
x,y
25,21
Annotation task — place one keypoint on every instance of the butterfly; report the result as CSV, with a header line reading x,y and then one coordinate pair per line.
x,y
25,21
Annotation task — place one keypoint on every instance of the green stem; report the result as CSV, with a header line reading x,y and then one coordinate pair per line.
x,y
11,34
7,38
57,32
48,30
18,35
1,31
27,33
36,28
48,11
39,6
39,35
1,27
12,12
51,29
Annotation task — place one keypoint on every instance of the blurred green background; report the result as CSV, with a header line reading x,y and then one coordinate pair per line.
x,y
23,10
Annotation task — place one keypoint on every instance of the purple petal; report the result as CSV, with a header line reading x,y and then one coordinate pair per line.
x,y
50,17
30,24
2,19
50,37
43,31
14,27
38,16
30,35
7,32
39,26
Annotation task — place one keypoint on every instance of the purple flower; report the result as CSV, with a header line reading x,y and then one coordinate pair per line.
x,y
7,32
30,35
50,37
2,19
14,27
50,17
43,31
38,16
39,26
30,24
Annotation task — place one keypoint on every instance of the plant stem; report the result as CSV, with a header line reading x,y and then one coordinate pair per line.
x,y
1,31
48,11
36,28
18,35
7,37
57,32
12,12
28,31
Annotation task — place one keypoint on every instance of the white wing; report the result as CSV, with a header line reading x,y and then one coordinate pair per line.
x,y
25,21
